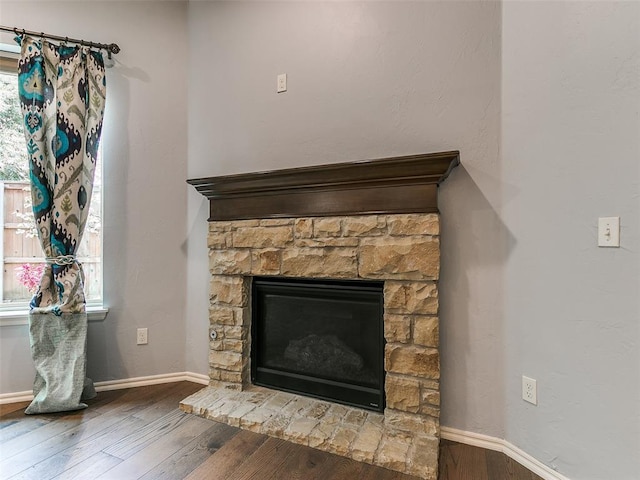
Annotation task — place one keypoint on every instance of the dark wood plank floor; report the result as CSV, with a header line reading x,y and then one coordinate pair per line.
x,y
139,433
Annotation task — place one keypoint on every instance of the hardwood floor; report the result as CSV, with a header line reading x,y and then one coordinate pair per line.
x,y
139,433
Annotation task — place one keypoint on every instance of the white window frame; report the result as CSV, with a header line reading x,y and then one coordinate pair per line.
x,y
12,314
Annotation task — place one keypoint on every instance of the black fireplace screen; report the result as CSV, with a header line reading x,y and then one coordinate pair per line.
x,y
321,338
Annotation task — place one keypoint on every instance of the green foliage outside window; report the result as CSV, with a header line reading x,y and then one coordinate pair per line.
x,y
14,163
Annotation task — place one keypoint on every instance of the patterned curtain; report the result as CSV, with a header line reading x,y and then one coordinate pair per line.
x,y
62,95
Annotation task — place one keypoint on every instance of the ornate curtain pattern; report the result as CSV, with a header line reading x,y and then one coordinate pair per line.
x,y
62,96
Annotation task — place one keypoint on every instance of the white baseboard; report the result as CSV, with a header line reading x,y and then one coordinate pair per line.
x,y
16,397
499,445
27,396
152,380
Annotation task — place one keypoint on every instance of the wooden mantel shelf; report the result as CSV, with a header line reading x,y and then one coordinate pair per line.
x,y
389,185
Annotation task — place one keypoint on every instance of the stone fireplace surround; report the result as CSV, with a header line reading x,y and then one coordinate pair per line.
x,y
402,249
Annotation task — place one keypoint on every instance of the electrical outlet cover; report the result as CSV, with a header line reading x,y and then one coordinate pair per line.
x,y
142,336
529,390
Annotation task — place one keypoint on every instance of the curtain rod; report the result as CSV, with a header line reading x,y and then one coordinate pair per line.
x,y
110,47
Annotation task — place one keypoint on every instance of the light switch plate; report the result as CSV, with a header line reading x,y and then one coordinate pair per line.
x,y
609,232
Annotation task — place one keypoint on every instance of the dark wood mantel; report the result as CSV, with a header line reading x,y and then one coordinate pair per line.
x,y
389,185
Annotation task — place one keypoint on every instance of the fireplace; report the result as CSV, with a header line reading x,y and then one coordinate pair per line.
x,y
321,338
360,223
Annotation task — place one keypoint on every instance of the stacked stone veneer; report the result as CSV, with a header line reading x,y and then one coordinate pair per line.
x,y
403,250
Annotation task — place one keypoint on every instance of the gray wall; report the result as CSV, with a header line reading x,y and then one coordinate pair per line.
x,y
571,153
145,145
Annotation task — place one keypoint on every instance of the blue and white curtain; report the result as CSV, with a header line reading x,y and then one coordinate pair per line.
x,y
62,95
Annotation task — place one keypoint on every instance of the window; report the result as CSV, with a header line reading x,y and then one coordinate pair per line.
x,y
22,256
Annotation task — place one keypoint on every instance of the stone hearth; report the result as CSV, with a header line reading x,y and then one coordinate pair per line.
x,y
372,220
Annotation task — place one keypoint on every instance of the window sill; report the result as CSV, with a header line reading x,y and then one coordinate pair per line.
x,y
9,318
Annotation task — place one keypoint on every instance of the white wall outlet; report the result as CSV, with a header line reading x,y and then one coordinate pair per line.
x,y
142,336
609,232
282,83
529,390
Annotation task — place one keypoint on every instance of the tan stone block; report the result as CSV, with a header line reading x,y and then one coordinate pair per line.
x,y
254,420
303,228
234,417
235,332
219,240
425,331
392,454
332,419
414,224
234,345
342,439
222,315
299,429
231,377
402,393
216,345
375,418
411,297
355,417
427,383
317,410
222,411
366,443
219,227
276,425
411,360
214,374
229,290
423,458
432,397
369,225
297,406
225,360
327,242
262,237
397,328
279,400
321,435
266,262
338,410
410,258
259,397
411,423
398,436
327,227
430,410
319,262
229,262
276,222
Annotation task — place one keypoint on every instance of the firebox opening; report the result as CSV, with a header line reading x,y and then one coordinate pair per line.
x,y
321,338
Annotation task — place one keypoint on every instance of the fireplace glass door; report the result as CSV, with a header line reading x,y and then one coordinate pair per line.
x,y
320,338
